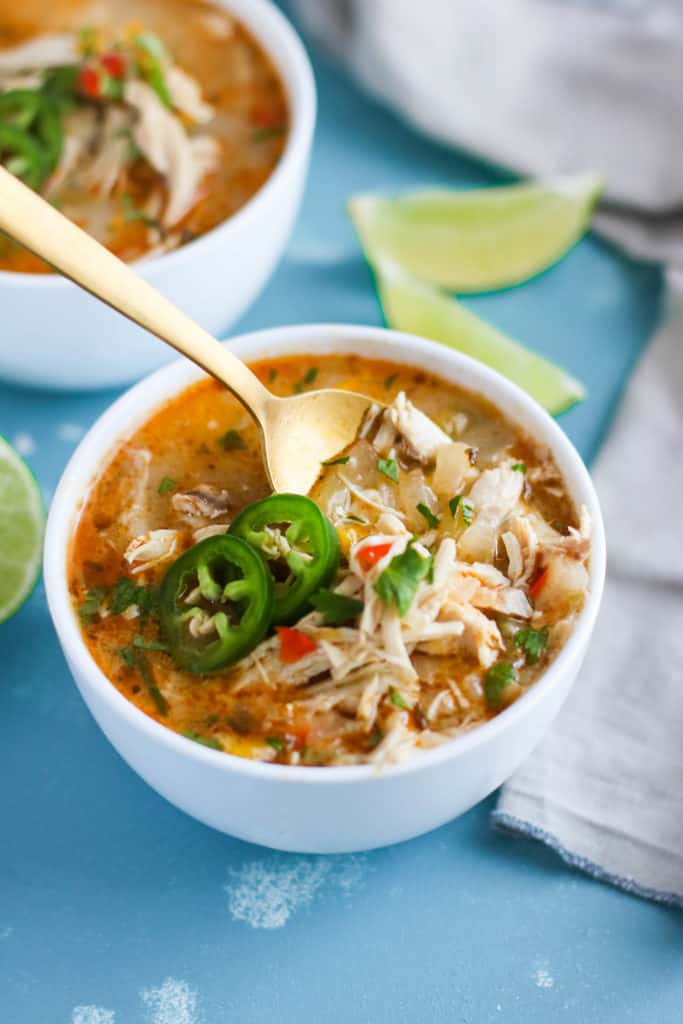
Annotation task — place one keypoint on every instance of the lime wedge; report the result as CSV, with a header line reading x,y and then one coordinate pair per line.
x,y
421,309
479,240
22,518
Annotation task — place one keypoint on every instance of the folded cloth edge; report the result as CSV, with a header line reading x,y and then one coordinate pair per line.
x,y
505,822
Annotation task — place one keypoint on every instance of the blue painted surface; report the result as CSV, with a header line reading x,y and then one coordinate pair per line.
x,y
106,890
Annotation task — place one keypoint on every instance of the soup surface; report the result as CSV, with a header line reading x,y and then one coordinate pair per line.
x,y
444,575
148,122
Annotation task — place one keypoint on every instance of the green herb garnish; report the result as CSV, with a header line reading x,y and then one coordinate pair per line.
x,y
153,56
533,642
519,467
149,645
337,462
206,741
232,441
397,699
336,609
356,519
276,742
126,593
465,507
390,381
135,659
167,485
91,606
272,374
269,132
87,38
496,680
307,379
424,510
132,213
398,583
389,467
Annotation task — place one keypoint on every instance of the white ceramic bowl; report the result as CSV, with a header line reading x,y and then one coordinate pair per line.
x,y
321,810
56,336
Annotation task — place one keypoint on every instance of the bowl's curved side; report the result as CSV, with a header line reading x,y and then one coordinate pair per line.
x,y
324,809
62,338
342,816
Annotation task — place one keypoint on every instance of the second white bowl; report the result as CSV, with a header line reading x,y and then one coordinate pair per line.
x,y
56,336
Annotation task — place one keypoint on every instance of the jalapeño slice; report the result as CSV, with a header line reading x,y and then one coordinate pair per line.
x,y
215,604
300,545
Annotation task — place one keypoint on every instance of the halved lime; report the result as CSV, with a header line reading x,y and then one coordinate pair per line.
x,y
22,520
422,309
477,240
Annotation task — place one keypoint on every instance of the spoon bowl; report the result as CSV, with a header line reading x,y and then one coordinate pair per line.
x,y
298,433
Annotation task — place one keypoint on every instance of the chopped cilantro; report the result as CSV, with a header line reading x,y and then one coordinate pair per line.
x,y
206,741
336,608
232,441
337,462
390,381
87,41
397,699
432,520
269,132
519,467
126,593
276,742
272,374
389,467
533,642
135,659
132,213
497,679
465,507
149,645
398,583
307,379
356,519
91,605
167,485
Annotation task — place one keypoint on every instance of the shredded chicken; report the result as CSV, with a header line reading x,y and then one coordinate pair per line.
x,y
181,160
151,549
444,593
204,502
49,51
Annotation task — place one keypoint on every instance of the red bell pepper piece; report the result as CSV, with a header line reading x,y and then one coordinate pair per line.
x,y
294,644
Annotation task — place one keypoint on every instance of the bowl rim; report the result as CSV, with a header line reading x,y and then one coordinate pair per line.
x,y
136,405
285,49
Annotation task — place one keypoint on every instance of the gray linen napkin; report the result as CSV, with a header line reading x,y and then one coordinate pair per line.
x,y
546,87
604,787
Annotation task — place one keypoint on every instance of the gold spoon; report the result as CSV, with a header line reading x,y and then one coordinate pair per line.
x,y
298,433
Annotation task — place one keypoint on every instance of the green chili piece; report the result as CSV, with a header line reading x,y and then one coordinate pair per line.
x,y
216,604
300,545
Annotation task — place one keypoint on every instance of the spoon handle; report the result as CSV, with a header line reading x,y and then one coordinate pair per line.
x,y
38,226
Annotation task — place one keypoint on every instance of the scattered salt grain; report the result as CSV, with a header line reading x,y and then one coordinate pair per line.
x,y
543,978
174,1002
24,444
70,432
92,1015
265,893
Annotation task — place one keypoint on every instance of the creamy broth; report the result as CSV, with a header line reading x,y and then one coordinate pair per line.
x,y
488,512
234,128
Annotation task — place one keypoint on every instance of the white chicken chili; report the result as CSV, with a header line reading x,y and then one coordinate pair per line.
x,y
432,574
148,122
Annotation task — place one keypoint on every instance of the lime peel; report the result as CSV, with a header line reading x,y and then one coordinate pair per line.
x,y
22,523
418,308
477,240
